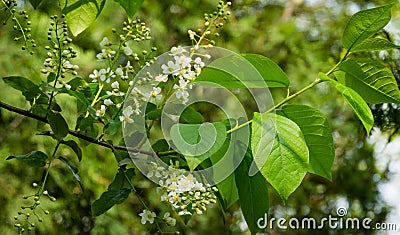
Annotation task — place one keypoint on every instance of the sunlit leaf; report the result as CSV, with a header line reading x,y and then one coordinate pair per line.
x,y
317,134
364,24
246,71
130,6
374,44
356,102
371,80
286,163
198,142
80,14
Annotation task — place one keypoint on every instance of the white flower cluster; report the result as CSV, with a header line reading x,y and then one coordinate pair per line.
x,y
179,72
108,76
149,216
182,69
182,190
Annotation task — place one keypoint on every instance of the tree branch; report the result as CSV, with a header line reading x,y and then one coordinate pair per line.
x,y
74,133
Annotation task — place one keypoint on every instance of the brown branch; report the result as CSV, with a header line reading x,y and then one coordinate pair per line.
x,y
74,133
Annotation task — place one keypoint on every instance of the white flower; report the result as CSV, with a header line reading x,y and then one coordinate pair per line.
x,y
119,72
95,76
105,42
67,65
115,93
154,95
170,68
147,216
177,50
115,85
187,183
126,115
191,34
184,212
137,110
181,91
105,53
182,60
161,78
168,219
199,62
108,102
190,76
101,111
155,170
127,50
103,75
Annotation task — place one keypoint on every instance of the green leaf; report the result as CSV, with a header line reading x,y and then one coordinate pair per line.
x,y
374,44
117,192
130,6
108,199
112,127
160,145
198,142
120,180
58,125
74,146
191,116
35,158
356,102
364,24
253,193
51,77
73,169
78,95
81,13
35,3
269,70
371,80
154,114
317,134
226,188
247,71
26,86
286,163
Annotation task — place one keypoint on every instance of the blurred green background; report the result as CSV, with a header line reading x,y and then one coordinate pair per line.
x,y
303,37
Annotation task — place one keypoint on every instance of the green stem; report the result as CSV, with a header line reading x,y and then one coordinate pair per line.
x,y
282,102
96,98
21,29
141,200
338,64
58,69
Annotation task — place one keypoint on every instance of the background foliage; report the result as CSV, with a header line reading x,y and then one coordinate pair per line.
x,y
301,36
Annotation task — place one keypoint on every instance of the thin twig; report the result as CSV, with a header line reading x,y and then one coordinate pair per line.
x,y
74,133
